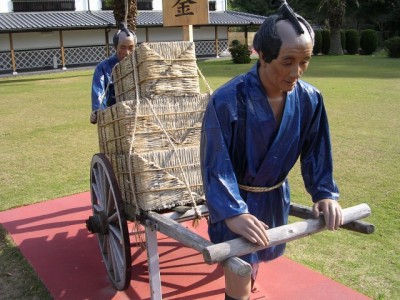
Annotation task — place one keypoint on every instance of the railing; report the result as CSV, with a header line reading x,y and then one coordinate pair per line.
x,y
42,59
43,5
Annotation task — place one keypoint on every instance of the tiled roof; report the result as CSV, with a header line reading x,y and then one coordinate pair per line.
x,y
42,21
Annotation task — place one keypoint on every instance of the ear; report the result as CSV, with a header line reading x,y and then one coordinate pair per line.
x,y
261,56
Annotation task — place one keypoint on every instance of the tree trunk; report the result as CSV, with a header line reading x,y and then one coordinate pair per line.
x,y
336,11
119,13
336,43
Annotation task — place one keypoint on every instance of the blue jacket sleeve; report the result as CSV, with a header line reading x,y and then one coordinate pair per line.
x,y
316,157
219,180
98,87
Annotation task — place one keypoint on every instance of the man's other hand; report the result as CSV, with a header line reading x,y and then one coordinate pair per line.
x,y
332,212
249,227
93,117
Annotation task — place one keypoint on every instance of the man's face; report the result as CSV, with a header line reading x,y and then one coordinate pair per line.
x,y
281,74
125,46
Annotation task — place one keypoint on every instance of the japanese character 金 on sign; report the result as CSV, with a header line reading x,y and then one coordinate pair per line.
x,y
185,12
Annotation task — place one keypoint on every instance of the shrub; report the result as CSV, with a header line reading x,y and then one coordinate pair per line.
x,y
240,53
352,41
235,43
369,41
317,42
392,46
326,41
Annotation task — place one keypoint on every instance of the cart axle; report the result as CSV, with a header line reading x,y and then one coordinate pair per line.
x,y
97,224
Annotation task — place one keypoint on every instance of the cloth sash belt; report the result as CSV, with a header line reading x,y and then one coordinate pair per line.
x,y
260,189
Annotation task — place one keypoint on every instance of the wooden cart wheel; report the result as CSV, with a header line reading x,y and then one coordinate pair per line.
x,y
109,222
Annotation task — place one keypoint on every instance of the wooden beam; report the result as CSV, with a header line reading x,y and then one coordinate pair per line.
x,y
216,41
192,240
62,50
305,212
106,31
187,33
14,65
279,235
246,36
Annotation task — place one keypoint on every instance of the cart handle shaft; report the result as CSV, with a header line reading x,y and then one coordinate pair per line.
x,y
192,240
279,235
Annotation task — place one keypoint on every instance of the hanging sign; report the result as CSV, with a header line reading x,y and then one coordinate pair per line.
x,y
185,12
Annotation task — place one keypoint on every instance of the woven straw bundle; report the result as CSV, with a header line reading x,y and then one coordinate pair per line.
x,y
158,178
179,117
123,78
152,134
167,68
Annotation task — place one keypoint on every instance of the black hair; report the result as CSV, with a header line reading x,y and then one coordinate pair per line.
x,y
267,39
122,28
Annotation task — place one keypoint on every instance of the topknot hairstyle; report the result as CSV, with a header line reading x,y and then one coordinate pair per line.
x,y
267,39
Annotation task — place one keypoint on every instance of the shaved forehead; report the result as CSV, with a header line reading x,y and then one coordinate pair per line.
x,y
122,36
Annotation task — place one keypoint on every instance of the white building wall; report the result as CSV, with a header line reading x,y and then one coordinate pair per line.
x,y
5,6
77,38
157,4
4,42
95,37
85,5
208,33
165,34
221,4
36,40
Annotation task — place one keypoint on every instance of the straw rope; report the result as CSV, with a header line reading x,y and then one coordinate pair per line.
x,y
165,77
204,79
131,179
260,189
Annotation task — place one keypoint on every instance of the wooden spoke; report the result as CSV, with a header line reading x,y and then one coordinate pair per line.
x,y
110,222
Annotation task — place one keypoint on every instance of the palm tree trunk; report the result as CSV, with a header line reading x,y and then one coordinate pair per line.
x,y
336,11
336,43
119,13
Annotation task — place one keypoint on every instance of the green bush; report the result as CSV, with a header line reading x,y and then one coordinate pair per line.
x,y
352,41
392,46
317,42
369,41
326,41
240,53
235,43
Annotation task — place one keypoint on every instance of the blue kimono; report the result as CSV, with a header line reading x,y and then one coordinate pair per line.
x,y
101,96
242,143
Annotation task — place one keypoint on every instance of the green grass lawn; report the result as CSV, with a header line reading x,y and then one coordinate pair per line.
x,y
46,144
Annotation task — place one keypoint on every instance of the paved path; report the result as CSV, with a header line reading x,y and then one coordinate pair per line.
x,y
53,238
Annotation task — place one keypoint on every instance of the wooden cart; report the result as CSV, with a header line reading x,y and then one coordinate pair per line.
x,y
112,212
